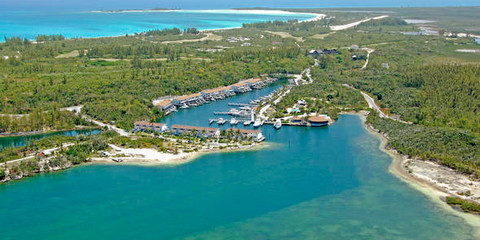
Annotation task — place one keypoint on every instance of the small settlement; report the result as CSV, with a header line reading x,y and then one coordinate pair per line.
x,y
200,132
196,99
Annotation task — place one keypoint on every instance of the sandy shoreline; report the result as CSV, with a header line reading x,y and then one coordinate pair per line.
x,y
433,190
151,157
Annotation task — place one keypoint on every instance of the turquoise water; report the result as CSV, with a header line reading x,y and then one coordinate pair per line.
x,y
20,141
29,24
308,183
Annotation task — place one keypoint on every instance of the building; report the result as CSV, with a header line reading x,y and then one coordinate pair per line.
x,y
144,126
218,93
255,83
241,87
314,53
318,121
166,106
256,135
195,131
329,51
296,119
189,100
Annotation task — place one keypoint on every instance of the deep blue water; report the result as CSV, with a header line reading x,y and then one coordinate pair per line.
x,y
307,183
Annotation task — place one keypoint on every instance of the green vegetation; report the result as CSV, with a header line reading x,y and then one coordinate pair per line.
x,y
39,120
465,205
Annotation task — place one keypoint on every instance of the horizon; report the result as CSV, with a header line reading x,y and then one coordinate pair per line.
x,y
34,5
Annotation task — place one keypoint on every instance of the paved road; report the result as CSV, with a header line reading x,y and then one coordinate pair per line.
x,y
373,105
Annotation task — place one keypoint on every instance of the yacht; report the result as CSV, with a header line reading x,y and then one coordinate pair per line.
x,y
212,121
184,106
221,121
260,138
246,123
257,123
277,124
233,121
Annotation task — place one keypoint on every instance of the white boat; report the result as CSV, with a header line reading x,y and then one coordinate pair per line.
x,y
257,123
233,121
184,106
221,121
246,123
277,124
260,138
212,121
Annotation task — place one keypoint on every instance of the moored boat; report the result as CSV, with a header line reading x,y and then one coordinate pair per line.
x,y
277,124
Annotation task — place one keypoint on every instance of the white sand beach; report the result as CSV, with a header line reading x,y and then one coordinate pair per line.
x,y
353,24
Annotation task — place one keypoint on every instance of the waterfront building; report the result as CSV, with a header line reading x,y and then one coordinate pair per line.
x,y
189,100
144,126
255,83
195,131
241,87
296,119
218,93
166,106
256,135
318,121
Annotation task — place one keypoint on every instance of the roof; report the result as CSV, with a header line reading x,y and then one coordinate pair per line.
x,y
219,89
193,128
164,103
318,119
297,118
149,124
240,84
243,130
185,97
254,80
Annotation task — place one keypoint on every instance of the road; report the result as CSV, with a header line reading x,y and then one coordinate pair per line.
x,y
78,109
46,151
373,105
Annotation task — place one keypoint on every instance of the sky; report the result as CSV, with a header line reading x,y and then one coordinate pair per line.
x,y
218,4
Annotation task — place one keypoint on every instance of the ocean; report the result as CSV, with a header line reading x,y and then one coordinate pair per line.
x,y
305,183
81,24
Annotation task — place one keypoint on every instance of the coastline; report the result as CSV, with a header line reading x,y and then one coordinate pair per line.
x,y
152,157
435,192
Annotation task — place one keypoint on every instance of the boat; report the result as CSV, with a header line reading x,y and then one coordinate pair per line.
x,y
277,124
260,138
221,121
233,121
184,106
212,121
246,123
257,123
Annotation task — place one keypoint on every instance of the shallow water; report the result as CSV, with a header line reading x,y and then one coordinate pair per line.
x,y
310,183
29,24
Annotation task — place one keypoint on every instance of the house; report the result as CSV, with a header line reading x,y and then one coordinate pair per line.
x,y
314,53
218,93
241,87
385,65
144,126
195,131
329,51
354,58
255,83
296,119
256,135
166,106
192,99
318,121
